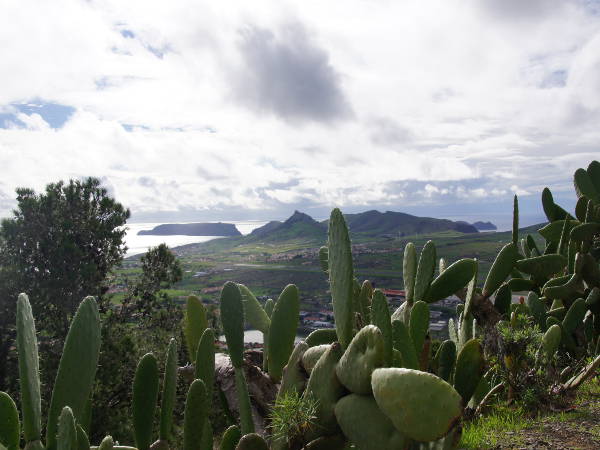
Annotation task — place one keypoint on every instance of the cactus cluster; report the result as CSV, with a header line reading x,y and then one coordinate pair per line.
x,y
373,380
370,375
560,278
69,413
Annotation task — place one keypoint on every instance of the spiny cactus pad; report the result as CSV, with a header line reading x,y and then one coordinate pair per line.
x,y
255,314
168,391
232,318
364,354
321,336
380,317
145,394
324,387
10,431
294,378
365,425
451,280
501,268
196,413
409,270
77,367
282,332
341,275
29,371
425,270
421,406
204,368
469,369
195,324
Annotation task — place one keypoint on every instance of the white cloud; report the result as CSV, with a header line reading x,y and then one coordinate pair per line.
x,y
506,95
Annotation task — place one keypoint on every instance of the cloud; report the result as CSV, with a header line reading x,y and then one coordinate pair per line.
x,y
285,73
386,131
240,108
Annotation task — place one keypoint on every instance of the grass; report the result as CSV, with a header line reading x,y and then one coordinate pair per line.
x,y
513,427
487,431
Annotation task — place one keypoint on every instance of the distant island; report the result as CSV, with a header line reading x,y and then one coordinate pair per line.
x,y
193,229
485,226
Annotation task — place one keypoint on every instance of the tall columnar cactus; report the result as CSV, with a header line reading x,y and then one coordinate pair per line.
x,y
195,324
29,373
419,325
341,275
282,332
168,393
67,430
409,271
77,367
204,367
145,395
195,415
425,271
380,317
232,317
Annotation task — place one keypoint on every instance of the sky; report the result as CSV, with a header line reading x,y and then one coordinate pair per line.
x,y
232,110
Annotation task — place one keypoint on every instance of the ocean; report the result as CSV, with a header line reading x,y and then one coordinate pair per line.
x,y
140,244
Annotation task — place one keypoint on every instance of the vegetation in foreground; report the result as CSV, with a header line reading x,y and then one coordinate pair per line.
x,y
372,382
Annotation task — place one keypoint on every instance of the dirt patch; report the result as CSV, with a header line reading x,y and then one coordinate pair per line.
x,y
577,428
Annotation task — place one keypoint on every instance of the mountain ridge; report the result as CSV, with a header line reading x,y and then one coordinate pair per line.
x,y
192,229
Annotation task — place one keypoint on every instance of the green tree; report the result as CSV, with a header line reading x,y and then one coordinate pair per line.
x,y
58,247
144,321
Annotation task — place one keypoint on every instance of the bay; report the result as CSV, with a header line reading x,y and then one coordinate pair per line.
x,y
140,244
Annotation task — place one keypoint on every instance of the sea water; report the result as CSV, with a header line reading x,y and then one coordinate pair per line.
x,y
140,244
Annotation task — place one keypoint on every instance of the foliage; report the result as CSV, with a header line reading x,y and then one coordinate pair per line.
x,y
145,321
292,415
59,246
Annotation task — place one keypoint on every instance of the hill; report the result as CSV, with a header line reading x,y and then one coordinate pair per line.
x,y
193,229
375,223
485,226
302,231
297,226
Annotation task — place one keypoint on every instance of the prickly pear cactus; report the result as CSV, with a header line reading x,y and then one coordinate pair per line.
x,y
363,423
365,353
282,332
10,428
341,275
196,413
421,406
29,371
145,395
195,324
77,367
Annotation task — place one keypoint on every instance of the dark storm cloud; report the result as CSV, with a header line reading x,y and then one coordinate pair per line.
x,y
288,75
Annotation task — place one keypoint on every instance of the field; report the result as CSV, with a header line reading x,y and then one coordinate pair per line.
x,y
266,268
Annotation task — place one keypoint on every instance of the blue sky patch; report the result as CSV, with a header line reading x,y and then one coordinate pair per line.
x,y
54,114
127,34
